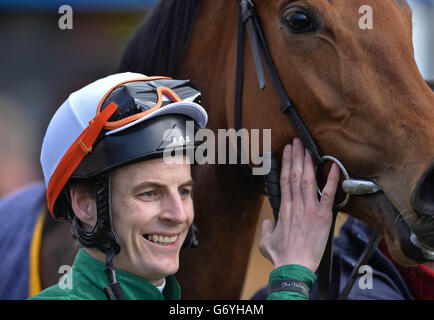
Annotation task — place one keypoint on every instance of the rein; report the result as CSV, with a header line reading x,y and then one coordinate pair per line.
x,y
248,18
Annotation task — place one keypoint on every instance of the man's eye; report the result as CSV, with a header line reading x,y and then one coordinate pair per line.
x,y
184,192
149,195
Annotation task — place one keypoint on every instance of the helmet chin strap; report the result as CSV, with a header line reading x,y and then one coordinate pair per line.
x,y
110,244
103,237
113,289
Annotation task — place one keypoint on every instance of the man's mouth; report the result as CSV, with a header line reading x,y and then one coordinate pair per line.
x,y
162,239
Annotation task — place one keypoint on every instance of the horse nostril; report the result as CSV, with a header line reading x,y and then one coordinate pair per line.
x,y
422,198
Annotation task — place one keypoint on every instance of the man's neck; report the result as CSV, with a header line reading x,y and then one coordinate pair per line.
x,y
94,253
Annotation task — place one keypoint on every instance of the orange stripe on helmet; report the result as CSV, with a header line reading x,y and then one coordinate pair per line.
x,y
75,154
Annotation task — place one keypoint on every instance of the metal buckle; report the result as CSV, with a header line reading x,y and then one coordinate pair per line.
x,y
83,147
359,186
352,186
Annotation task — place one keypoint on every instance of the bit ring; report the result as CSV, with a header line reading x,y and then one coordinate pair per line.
x,y
346,176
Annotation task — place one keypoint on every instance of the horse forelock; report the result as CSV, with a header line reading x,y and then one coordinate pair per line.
x,y
159,43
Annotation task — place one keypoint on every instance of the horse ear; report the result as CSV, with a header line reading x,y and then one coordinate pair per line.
x,y
84,206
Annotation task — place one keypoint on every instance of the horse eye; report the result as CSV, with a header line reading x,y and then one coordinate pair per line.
x,y
298,20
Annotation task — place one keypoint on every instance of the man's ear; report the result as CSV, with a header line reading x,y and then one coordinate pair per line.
x,y
84,206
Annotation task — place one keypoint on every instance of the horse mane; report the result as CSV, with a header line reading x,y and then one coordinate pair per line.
x,y
162,39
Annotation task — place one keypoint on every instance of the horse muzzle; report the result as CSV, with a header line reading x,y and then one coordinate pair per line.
x,y
422,198
422,202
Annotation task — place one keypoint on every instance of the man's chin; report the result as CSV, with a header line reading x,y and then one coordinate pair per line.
x,y
153,271
158,261
161,262
166,269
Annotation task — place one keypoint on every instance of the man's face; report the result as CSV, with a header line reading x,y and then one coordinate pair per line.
x,y
152,212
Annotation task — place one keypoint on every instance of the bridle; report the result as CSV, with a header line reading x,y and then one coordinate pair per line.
x,y
247,17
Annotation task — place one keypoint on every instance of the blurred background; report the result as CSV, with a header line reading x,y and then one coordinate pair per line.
x,y
40,64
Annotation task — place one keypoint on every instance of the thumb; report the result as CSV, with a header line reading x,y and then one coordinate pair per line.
x,y
267,228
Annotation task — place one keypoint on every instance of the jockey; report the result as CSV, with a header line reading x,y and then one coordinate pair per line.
x,y
116,162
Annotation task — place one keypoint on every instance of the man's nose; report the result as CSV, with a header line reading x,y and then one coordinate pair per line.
x,y
174,209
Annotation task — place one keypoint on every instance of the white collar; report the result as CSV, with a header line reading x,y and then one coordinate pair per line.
x,y
162,286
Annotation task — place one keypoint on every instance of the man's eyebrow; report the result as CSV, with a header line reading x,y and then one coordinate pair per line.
x,y
187,183
146,184
156,184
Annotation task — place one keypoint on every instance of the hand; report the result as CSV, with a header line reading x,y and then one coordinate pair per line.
x,y
301,233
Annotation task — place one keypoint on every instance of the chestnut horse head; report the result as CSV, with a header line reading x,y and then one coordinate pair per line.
x,y
356,87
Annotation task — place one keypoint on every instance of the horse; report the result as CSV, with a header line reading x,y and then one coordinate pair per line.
x,y
358,91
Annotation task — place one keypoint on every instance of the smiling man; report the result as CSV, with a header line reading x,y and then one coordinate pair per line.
x,y
132,210
104,171
152,212
157,211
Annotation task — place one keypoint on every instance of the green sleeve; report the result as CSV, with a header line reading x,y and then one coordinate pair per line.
x,y
291,271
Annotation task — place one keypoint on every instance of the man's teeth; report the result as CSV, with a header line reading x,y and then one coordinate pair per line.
x,y
161,239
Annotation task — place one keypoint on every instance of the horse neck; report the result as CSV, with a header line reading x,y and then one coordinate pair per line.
x,y
210,63
227,203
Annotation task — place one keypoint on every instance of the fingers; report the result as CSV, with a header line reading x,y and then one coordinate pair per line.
x,y
293,178
329,191
285,187
308,183
297,169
